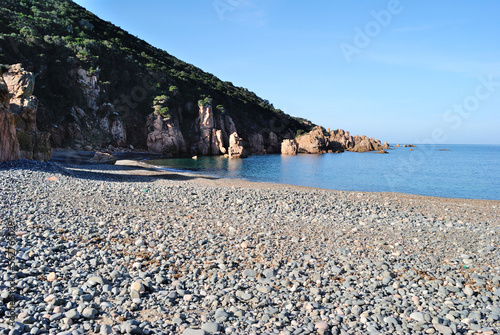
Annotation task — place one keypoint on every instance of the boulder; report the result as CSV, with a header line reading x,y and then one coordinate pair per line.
x,y
103,158
289,147
340,140
236,149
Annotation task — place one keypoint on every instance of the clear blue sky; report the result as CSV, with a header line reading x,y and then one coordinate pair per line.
x,y
402,71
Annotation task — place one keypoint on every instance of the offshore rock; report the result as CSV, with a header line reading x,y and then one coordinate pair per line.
x,y
289,147
313,142
236,149
365,144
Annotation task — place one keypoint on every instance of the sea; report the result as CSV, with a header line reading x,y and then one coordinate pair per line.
x,y
450,171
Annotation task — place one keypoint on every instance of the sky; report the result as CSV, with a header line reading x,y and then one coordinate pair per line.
x,y
401,71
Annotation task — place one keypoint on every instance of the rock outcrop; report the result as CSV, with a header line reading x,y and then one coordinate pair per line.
x,y
87,82
206,125
340,140
365,144
236,149
9,145
217,146
164,136
319,141
313,142
33,144
111,123
289,147
212,130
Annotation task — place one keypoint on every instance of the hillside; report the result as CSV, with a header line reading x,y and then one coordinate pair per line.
x,y
85,64
72,80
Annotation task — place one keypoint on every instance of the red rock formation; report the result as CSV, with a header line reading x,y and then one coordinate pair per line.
x,y
236,149
213,138
289,147
9,145
32,144
313,142
164,136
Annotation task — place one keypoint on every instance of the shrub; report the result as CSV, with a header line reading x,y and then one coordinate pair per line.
x,y
205,102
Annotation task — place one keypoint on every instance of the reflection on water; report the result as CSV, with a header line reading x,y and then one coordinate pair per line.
x,y
466,171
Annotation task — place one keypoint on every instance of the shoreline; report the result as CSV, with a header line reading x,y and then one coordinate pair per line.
x,y
217,181
81,157
428,204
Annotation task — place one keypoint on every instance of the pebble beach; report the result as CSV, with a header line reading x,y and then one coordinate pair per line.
x,y
130,249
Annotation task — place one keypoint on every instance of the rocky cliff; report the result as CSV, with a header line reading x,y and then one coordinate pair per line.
x,y
9,145
100,88
20,137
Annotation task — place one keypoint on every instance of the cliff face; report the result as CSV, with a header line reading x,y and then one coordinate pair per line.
x,y
20,137
9,145
165,136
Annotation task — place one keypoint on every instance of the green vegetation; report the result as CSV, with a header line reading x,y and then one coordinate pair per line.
x,y
54,37
220,108
205,102
299,132
160,106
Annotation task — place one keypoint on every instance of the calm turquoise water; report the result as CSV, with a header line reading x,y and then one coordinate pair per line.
x,y
465,171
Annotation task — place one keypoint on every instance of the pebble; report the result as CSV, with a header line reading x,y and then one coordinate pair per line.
x,y
211,327
187,258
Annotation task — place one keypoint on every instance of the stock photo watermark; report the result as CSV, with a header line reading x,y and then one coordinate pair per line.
x,y
224,6
363,36
453,118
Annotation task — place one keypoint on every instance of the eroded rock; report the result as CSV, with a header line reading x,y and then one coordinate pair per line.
x,y
289,147
236,149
